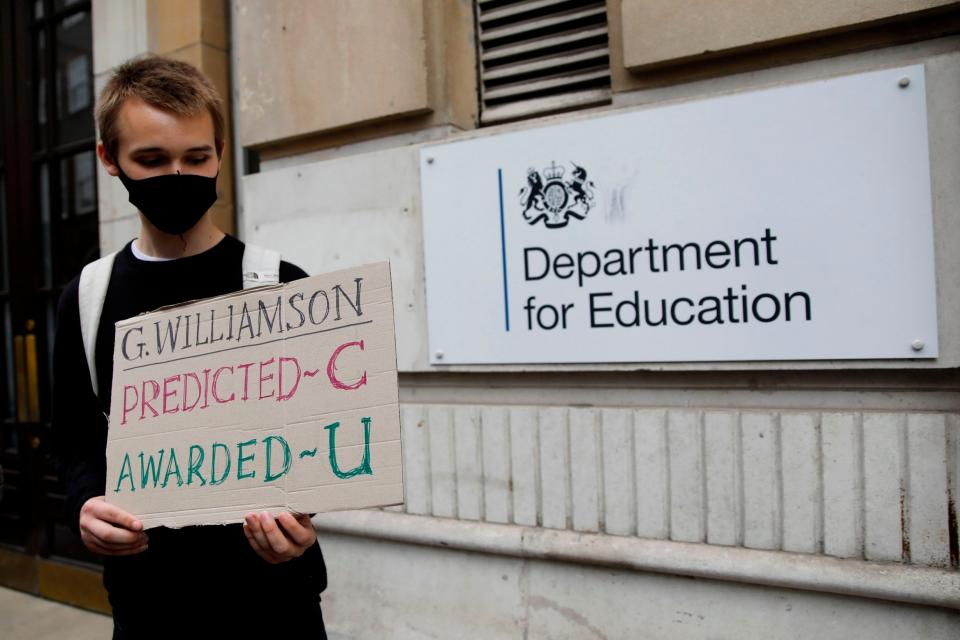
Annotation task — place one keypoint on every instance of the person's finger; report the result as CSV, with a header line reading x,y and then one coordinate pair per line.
x,y
115,515
248,532
277,541
110,546
295,529
305,519
130,552
258,534
257,547
112,537
93,546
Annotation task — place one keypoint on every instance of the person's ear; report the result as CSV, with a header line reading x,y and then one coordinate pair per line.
x,y
108,163
221,146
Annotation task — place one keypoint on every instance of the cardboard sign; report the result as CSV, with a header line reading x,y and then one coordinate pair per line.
x,y
280,398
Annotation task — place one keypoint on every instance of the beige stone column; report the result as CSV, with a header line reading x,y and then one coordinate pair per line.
x,y
119,33
196,31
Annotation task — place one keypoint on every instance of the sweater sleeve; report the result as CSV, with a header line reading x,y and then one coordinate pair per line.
x,y
79,426
316,568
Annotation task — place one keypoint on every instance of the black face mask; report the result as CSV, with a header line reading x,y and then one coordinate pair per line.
x,y
172,203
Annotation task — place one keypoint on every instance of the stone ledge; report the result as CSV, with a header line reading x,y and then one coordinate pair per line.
x,y
884,581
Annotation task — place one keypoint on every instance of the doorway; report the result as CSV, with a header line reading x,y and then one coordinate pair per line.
x,y
48,231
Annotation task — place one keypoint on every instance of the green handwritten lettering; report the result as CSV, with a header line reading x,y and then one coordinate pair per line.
x,y
193,468
173,468
269,440
361,469
125,471
151,470
242,458
213,463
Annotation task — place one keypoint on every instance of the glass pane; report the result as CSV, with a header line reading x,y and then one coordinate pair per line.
x,y
40,87
9,390
43,197
78,185
2,141
4,268
61,4
37,8
75,78
73,233
6,352
46,380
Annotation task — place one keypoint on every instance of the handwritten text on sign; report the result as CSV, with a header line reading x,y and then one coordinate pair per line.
x,y
281,398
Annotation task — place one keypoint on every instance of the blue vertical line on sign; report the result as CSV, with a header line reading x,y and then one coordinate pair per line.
x,y
503,253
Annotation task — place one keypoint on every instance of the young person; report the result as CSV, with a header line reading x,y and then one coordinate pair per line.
x,y
162,135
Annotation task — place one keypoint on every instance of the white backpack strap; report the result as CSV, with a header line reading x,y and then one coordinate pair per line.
x,y
260,266
94,280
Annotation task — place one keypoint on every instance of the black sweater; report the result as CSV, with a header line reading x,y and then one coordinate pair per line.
x,y
185,572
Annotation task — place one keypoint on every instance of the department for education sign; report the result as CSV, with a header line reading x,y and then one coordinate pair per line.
x,y
791,223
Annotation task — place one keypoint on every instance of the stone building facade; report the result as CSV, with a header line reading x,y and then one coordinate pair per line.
x,y
701,500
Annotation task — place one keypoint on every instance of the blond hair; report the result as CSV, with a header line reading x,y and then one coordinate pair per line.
x,y
164,83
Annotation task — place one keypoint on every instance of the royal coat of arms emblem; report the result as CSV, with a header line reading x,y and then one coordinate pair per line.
x,y
548,198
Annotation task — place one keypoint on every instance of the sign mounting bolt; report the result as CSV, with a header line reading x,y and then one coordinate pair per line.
x,y
429,160
438,355
904,82
917,345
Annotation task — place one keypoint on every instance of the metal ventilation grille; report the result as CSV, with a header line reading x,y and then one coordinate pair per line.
x,y
541,56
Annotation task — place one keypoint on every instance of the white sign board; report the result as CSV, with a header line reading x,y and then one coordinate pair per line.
x,y
784,224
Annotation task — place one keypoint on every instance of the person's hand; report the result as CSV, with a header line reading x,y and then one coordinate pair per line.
x,y
109,530
281,539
